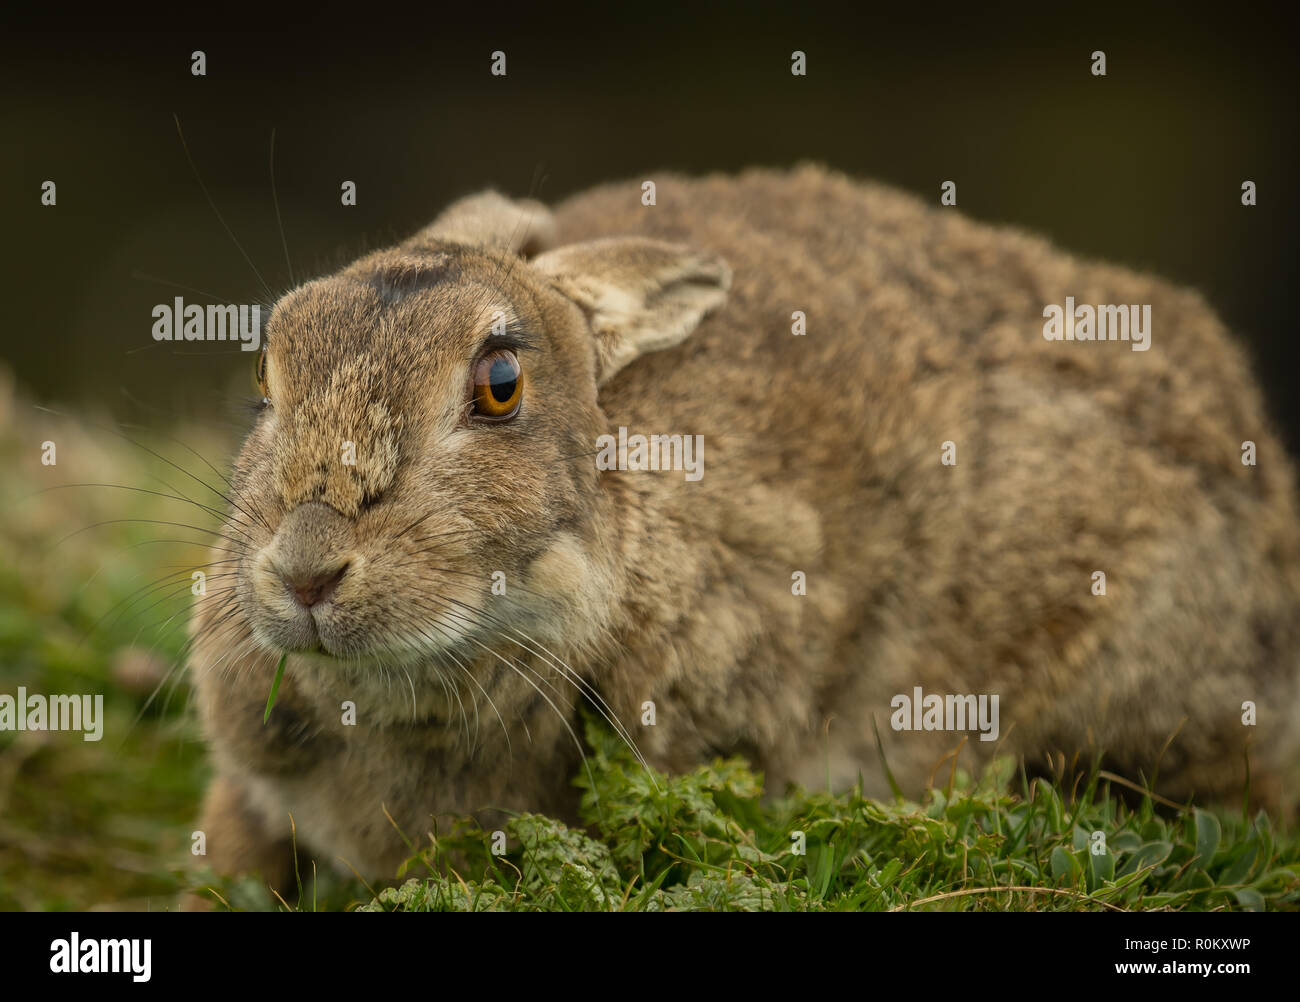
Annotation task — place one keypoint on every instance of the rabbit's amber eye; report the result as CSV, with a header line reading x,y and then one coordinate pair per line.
x,y
498,385
261,375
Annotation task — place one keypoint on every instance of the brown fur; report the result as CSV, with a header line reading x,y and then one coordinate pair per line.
x,y
822,455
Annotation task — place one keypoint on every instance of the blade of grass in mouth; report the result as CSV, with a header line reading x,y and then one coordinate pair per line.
x,y
275,687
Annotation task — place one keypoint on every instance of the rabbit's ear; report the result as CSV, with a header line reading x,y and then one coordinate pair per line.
x,y
490,220
639,295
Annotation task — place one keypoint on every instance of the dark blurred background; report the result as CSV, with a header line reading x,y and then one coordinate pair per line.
x,y
1143,166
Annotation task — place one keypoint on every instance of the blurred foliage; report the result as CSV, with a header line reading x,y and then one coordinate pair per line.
x,y
94,599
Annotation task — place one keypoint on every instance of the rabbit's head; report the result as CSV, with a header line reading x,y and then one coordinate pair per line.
x,y
421,481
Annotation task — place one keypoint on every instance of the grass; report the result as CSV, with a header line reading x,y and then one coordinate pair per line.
x,y
708,840
108,824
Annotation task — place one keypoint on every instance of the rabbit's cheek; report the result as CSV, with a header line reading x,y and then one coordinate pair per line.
x,y
581,588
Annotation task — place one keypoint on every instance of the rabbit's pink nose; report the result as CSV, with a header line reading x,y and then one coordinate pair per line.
x,y
312,589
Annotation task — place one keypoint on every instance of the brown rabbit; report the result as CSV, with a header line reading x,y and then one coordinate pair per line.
x,y
918,492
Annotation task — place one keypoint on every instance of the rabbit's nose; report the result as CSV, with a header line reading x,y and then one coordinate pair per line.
x,y
312,589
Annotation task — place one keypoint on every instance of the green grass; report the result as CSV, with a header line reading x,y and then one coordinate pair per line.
x,y
707,840
107,824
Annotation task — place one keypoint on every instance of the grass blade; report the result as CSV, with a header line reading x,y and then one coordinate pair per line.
x,y
275,687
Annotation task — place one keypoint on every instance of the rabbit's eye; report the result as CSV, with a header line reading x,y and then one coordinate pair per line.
x,y
261,377
498,385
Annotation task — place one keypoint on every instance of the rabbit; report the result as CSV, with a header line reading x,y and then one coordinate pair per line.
x,y
905,488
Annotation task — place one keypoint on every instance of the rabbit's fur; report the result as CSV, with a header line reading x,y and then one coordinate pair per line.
x,y
822,455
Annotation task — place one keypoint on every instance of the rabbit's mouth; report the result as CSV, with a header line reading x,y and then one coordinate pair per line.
x,y
351,612
295,612
340,630
324,584
417,639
